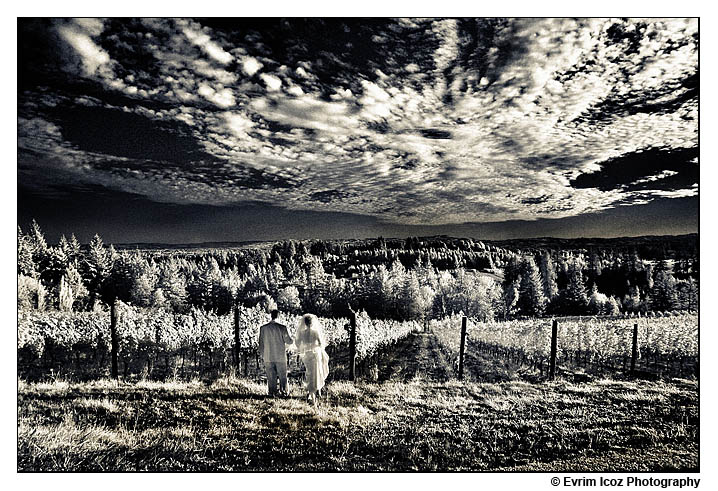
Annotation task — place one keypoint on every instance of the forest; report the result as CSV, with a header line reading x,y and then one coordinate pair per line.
x,y
410,279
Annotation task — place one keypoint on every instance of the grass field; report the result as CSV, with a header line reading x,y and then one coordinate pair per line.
x,y
416,417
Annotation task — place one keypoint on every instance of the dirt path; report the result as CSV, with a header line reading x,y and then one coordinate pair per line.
x,y
418,355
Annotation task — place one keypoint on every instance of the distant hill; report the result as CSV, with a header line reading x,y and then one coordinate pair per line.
x,y
648,247
151,246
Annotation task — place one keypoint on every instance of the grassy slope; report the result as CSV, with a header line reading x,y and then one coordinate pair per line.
x,y
417,424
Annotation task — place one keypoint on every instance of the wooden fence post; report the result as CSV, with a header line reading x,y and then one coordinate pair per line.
x,y
554,340
236,337
634,351
462,348
352,345
113,339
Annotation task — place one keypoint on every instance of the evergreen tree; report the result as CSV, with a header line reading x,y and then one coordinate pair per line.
x,y
64,246
531,301
275,277
512,270
74,247
648,275
143,288
119,282
54,265
301,250
25,263
38,246
37,239
380,290
200,286
290,250
595,267
573,300
510,297
632,300
663,294
314,270
294,274
173,285
96,268
687,293
548,276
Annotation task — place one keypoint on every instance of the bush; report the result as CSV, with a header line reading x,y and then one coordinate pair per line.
x,y
31,294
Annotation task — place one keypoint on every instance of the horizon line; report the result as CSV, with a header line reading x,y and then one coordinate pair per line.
x,y
259,241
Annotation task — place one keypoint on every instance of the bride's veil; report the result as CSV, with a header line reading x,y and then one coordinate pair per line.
x,y
317,327
304,331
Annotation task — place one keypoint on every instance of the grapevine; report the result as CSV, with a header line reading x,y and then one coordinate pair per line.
x,y
145,334
665,340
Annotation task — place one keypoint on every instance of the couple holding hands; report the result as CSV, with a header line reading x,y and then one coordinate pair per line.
x,y
274,340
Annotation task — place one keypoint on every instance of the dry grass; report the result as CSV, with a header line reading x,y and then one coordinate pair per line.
x,y
418,424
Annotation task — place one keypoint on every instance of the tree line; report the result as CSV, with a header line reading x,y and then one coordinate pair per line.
x,y
414,279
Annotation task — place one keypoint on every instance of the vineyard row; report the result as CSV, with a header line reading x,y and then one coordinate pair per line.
x,y
199,341
665,345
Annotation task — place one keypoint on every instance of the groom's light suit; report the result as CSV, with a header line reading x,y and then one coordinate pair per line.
x,y
273,340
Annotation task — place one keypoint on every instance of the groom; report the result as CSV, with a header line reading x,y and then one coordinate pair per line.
x,y
273,340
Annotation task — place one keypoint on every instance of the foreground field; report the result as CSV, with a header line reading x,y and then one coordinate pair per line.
x,y
412,419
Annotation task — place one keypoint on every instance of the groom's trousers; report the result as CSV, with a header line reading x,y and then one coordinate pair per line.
x,y
276,370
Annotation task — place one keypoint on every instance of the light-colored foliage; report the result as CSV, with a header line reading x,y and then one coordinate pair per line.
x,y
159,330
669,337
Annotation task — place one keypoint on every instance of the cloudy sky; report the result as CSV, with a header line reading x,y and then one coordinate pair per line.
x,y
188,130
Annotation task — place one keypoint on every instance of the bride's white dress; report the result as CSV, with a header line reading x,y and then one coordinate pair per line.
x,y
310,346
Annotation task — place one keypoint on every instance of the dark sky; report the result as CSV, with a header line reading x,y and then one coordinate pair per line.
x,y
179,130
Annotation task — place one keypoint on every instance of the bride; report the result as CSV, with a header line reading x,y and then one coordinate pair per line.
x,y
310,346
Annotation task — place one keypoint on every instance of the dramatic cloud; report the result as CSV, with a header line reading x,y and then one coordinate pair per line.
x,y
77,35
410,121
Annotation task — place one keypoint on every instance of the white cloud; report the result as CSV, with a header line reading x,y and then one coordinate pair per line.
x,y
308,112
238,124
273,83
295,90
250,65
92,26
222,97
95,60
207,70
212,49
655,177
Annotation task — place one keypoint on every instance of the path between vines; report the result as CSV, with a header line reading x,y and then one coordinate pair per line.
x,y
420,356
415,356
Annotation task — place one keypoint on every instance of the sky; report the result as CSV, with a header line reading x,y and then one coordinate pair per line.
x,y
194,130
